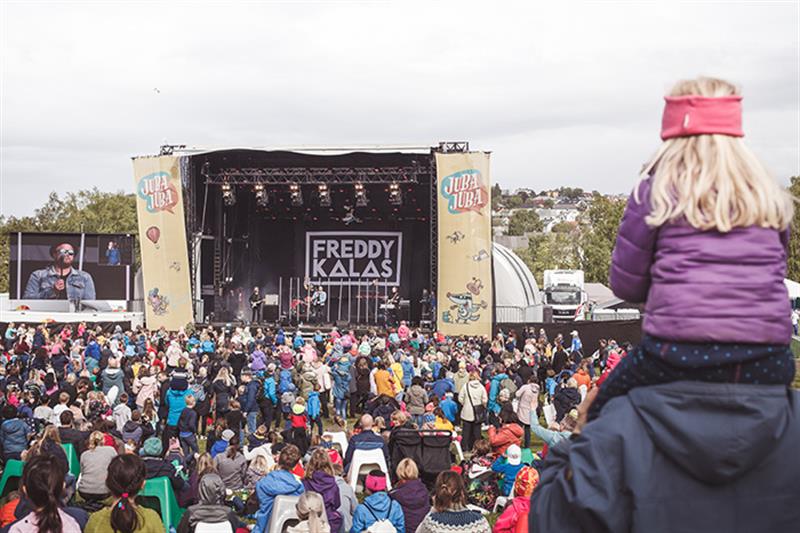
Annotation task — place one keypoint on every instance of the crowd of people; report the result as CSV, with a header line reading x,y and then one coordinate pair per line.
x,y
691,430
237,417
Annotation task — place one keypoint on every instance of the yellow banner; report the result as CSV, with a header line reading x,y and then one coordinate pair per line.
x,y
162,238
464,288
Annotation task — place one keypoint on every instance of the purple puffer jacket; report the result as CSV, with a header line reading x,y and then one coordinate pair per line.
x,y
325,485
415,501
702,286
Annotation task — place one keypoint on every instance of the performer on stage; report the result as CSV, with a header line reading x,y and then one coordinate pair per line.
x,y
392,302
318,301
425,306
255,306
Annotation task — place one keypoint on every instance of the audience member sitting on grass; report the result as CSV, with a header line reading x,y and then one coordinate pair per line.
x,y
450,513
126,477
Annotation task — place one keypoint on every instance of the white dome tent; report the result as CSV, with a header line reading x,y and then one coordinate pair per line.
x,y
516,295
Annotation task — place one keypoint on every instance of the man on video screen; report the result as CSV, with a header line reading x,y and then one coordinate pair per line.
x,y
60,281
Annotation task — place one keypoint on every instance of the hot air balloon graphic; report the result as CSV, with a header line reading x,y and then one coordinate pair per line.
x,y
153,233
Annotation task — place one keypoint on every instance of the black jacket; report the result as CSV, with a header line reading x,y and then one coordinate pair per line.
x,y
684,456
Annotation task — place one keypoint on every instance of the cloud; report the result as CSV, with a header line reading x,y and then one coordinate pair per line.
x,y
563,94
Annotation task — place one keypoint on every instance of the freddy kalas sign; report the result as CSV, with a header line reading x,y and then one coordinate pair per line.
x,y
355,257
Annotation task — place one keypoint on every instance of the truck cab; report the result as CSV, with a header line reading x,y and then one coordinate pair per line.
x,y
564,293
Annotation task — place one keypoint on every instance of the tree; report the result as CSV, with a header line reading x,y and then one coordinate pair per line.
x,y
793,259
548,251
598,236
562,227
90,211
512,202
523,221
497,195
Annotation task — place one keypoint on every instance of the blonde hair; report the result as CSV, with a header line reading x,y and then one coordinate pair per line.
x,y
260,464
713,181
311,507
407,469
96,439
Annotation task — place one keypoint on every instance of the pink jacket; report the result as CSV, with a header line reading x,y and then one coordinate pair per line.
x,y
518,509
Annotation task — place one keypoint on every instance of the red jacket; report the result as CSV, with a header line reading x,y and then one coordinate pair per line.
x,y
502,438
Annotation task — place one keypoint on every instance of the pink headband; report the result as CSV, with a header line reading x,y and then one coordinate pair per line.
x,y
697,115
375,483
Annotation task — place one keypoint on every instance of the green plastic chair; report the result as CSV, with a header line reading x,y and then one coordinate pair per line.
x,y
527,456
72,459
160,488
12,471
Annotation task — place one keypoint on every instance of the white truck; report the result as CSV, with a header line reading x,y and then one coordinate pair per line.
x,y
564,292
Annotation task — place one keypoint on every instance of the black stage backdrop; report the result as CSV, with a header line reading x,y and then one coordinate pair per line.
x,y
262,244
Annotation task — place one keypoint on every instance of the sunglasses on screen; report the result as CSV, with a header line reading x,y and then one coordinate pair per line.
x,y
66,252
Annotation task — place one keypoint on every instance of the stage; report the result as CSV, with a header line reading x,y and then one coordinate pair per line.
x,y
352,224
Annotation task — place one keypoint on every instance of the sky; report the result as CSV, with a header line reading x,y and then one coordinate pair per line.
x,y
562,93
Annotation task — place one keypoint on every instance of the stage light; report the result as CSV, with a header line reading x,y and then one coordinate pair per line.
x,y
324,196
228,194
361,195
395,196
296,194
262,199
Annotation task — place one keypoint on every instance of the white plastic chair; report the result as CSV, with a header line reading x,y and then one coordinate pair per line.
x,y
283,511
459,451
501,501
368,460
217,527
583,390
340,438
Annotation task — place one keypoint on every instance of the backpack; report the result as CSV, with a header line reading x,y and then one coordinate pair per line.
x,y
286,383
381,525
509,385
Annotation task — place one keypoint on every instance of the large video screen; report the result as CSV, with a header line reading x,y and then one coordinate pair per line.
x,y
70,266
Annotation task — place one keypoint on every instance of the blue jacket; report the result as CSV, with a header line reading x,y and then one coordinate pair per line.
x,y
443,386
276,483
449,408
219,447
92,350
176,401
508,471
341,379
250,403
269,390
366,440
494,390
14,436
683,456
377,507
313,405
408,372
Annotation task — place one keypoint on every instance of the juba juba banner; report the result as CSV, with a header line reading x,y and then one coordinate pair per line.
x,y
162,238
464,286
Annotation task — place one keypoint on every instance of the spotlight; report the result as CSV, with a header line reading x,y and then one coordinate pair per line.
x,y
361,195
395,196
296,194
228,194
261,195
324,195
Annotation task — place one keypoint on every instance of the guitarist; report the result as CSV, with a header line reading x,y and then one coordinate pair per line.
x,y
255,306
